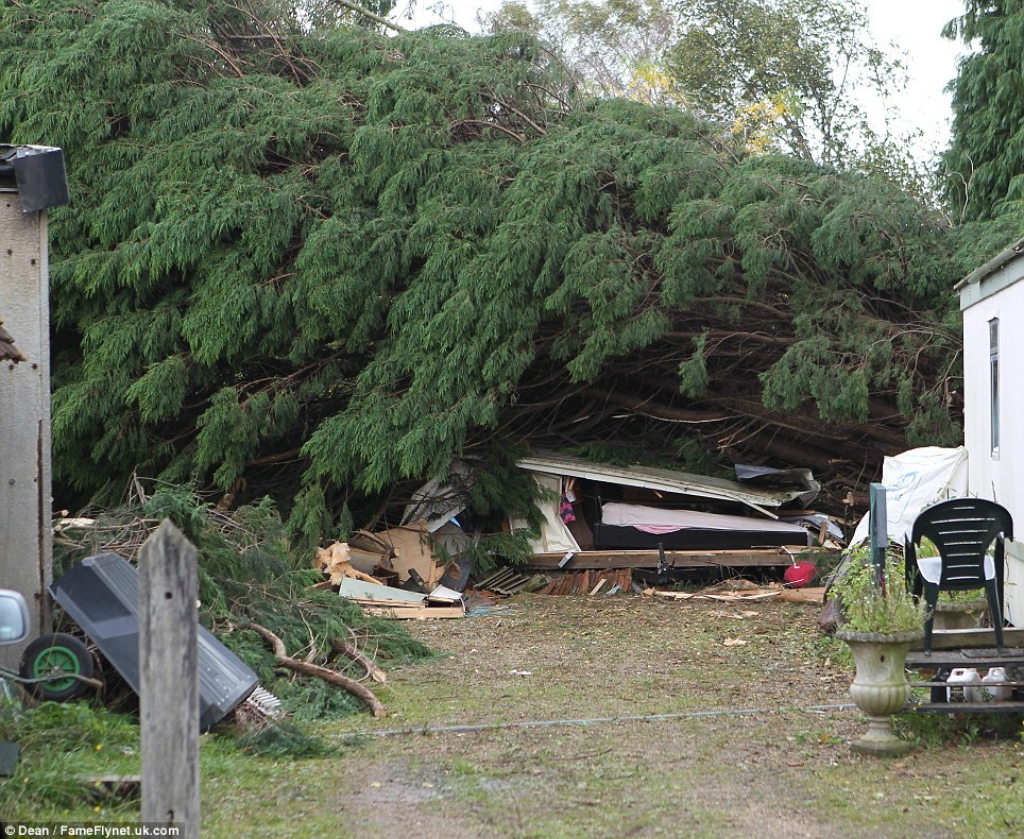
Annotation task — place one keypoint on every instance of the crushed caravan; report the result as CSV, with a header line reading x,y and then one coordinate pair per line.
x,y
641,517
604,516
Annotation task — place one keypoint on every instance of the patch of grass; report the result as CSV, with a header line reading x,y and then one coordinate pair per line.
x,y
63,745
816,738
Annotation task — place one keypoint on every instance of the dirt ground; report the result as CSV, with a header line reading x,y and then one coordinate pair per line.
x,y
626,716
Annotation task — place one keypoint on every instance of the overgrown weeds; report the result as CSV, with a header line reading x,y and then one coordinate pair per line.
x,y
940,731
249,572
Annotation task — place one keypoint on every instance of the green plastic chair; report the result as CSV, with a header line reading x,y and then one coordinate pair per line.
x,y
962,530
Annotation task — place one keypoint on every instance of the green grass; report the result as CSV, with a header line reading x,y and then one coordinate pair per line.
x,y
62,746
712,776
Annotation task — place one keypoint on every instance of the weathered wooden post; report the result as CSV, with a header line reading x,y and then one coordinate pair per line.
x,y
169,680
879,527
32,179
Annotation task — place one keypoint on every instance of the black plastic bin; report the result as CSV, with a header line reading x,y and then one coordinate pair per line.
x,y
101,595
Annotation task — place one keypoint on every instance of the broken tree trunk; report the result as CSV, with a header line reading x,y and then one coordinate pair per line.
x,y
307,669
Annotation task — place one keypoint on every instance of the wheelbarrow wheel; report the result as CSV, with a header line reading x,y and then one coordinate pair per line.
x,y
55,655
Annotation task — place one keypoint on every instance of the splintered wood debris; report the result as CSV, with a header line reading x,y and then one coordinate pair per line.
x,y
396,574
747,594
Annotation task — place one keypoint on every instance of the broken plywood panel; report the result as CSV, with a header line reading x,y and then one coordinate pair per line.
x,y
361,591
412,550
368,552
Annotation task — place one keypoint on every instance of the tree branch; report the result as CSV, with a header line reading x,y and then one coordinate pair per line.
x,y
306,669
359,10
347,650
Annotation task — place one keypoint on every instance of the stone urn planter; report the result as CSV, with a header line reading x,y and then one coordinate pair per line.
x,y
960,614
880,688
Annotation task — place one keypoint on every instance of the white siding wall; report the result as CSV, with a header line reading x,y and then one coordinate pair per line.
x,y
999,477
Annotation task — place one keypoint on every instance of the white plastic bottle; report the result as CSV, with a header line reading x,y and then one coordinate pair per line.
x,y
997,693
965,678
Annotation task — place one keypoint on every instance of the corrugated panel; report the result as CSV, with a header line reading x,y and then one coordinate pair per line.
x,y
665,480
101,595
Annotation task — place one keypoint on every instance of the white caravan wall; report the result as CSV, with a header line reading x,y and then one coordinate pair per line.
x,y
998,476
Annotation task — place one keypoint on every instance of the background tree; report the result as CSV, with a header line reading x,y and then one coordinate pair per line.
x,y
320,263
614,47
782,75
799,59
985,162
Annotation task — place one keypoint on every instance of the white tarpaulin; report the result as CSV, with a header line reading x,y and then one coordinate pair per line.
x,y
914,480
554,535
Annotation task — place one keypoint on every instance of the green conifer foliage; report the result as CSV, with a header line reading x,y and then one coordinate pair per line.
x,y
985,162
321,263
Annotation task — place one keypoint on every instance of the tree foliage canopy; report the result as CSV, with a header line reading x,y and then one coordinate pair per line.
x,y
985,162
321,263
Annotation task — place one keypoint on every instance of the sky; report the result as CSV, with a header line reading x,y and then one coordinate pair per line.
x,y
909,28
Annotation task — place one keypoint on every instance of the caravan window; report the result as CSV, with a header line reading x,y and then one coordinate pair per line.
x,y
993,377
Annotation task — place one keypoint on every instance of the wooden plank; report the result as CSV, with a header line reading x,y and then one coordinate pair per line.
x,y
959,639
26,562
389,604
736,597
169,680
1007,707
597,560
671,595
808,594
420,613
743,597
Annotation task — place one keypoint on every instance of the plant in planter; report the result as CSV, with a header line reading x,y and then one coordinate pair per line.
x,y
879,621
955,609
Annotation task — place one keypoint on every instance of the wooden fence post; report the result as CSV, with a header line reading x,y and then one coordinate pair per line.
x,y
169,680
878,521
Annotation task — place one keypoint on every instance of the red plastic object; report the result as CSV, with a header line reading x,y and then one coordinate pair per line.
x,y
800,574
